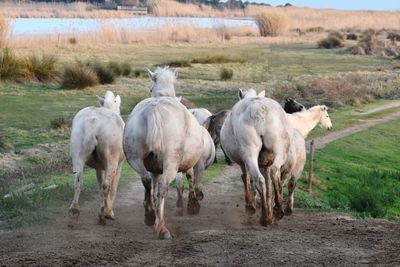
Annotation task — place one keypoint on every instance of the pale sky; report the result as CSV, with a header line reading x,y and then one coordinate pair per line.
x,y
339,4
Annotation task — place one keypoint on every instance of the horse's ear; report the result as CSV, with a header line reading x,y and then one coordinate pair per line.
x,y
151,75
241,95
101,100
324,108
117,100
179,98
261,94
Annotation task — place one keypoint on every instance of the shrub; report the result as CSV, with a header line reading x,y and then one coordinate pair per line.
x,y
60,122
137,73
393,36
271,24
11,68
72,40
216,59
337,35
330,42
351,36
315,29
42,68
104,74
126,68
178,64
115,67
226,74
78,76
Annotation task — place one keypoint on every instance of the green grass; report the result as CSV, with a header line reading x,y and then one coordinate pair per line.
x,y
360,173
32,207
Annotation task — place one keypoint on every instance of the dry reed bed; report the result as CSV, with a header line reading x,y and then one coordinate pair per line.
x,y
302,18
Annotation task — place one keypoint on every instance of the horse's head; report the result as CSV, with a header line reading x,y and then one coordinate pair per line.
x,y
110,101
324,120
292,106
162,82
251,93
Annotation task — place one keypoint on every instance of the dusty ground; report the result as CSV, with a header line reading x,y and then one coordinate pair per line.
x,y
221,235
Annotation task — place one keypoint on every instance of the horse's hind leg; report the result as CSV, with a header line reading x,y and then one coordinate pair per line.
x,y
179,189
290,197
114,187
78,175
263,186
100,177
248,195
275,175
159,192
193,206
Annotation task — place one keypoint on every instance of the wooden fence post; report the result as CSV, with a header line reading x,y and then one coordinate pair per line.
x,y
311,167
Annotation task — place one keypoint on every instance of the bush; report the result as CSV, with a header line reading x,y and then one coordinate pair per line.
x,y
72,40
78,76
126,68
104,74
115,67
42,68
337,35
271,24
392,36
226,74
315,29
216,59
60,122
137,73
351,36
11,68
330,42
178,64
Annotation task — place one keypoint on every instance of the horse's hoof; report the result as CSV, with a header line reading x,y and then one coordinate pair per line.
x,y
288,211
179,211
164,234
278,213
265,221
193,206
250,209
149,218
199,194
101,220
74,212
109,217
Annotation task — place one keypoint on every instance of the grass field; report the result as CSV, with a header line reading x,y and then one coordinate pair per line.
x,y
359,174
311,75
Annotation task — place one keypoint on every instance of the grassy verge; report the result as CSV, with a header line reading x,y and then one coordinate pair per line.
x,y
24,209
358,174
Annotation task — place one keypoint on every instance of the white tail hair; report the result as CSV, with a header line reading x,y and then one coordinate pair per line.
x,y
154,130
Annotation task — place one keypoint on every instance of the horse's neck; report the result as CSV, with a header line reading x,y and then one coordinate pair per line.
x,y
304,121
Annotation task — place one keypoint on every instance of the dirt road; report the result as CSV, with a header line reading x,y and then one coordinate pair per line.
x,y
221,235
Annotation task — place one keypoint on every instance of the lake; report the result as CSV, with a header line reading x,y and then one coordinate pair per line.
x,y
33,26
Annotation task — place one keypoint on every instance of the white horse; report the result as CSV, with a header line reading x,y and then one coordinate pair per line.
x,y
96,140
256,135
305,121
195,190
161,138
201,114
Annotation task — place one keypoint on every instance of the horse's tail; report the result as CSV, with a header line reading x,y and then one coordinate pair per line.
x,y
154,130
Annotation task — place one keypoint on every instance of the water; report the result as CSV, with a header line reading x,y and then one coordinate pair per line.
x,y
33,26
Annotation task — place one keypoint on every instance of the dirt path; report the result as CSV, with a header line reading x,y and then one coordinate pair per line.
x,y
323,141
221,235
392,104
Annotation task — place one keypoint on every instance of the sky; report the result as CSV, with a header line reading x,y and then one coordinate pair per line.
x,y
339,4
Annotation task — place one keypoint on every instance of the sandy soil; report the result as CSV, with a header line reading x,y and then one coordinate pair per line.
x,y
221,235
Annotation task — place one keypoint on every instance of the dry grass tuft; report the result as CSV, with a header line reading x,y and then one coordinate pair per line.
x,y
78,76
272,24
226,74
11,67
42,68
330,42
4,30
